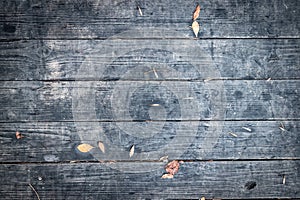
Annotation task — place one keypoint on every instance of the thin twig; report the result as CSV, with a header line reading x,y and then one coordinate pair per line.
x,y
37,195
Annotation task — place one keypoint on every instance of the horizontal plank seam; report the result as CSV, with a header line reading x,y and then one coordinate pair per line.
x,y
150,161
182,120
152,38
152,80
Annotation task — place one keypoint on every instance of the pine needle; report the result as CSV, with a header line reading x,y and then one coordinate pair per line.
x,y
37,195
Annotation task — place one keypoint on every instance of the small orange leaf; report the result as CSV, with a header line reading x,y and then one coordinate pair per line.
x,y
101,146
19,135
196,12
131,152
172,167
84,148
167,176
196,28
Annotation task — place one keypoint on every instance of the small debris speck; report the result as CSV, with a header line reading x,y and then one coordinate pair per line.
x,y
140,11
233,134
250,185
247,129
164,159
19,135
155,105
281,127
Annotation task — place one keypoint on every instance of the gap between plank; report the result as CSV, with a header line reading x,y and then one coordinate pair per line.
x,y
149,161
149,38
155,80
184,120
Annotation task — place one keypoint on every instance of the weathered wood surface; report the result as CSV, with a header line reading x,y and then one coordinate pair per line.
x,y
227,104
238,140
235,59
102,19
132,100
194,180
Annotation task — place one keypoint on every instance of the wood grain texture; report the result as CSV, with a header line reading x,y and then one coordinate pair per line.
x,y
57,141
131,73
132,100
235,59
102,19
99,181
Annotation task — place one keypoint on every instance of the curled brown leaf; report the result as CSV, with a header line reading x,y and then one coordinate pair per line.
x,y
196,12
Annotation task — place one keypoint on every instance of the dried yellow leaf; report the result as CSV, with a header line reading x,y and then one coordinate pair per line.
x,y
84,148
167,176
196,28
131,152
101,146
196,12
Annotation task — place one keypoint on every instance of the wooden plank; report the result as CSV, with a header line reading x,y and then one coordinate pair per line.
x,y
21,60
149,100
171,60
239,140
257,179
94,19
